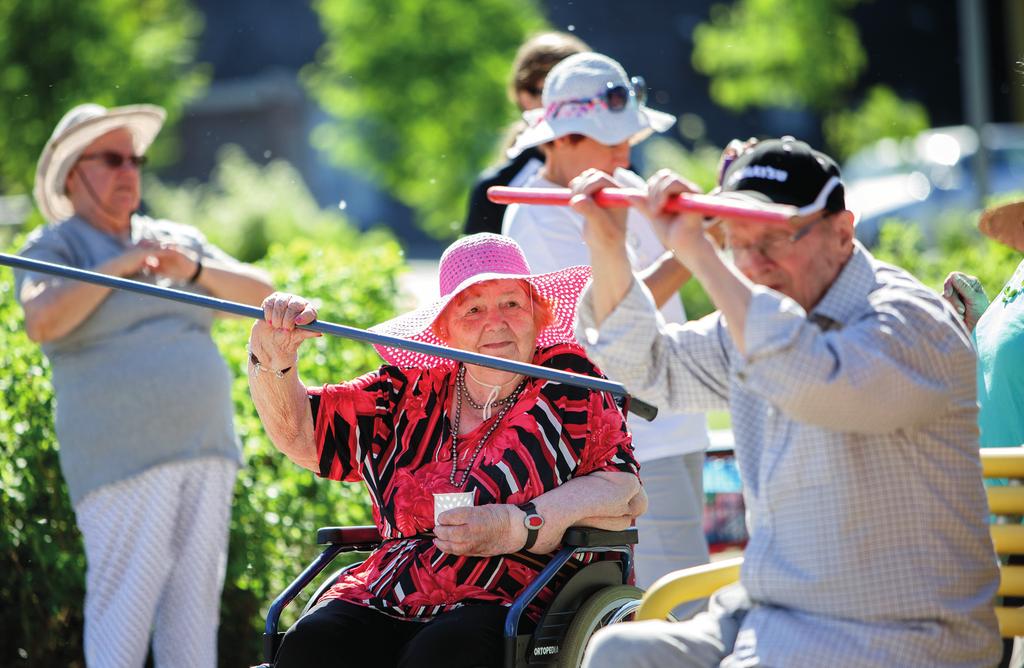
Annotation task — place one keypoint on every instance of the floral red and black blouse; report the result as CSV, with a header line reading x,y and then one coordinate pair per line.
x,y
391,429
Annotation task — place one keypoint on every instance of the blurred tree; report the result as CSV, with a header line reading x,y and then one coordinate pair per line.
x,y
797,54
418,90
55,54
784,53
882,114
959,247
245,207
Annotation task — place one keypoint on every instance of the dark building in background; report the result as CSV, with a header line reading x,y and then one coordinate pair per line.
x,y
257,47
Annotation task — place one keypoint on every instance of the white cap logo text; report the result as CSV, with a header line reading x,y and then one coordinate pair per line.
x,y
759,172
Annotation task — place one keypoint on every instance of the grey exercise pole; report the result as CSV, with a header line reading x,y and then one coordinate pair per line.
x,y
640,408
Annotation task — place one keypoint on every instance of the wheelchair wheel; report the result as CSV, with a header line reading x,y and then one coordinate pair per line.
x,y
607,606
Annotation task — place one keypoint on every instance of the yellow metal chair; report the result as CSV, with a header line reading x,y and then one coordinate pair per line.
x,y
1008,501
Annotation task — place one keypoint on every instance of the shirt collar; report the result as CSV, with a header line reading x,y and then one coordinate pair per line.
x,y
848,293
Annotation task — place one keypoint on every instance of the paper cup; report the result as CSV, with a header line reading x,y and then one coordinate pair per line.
x,y
443,502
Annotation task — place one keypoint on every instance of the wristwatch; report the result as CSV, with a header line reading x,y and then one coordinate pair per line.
x,y
533,523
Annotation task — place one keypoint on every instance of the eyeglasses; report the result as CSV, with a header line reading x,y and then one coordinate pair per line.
x,y
615,97
777,245
114,160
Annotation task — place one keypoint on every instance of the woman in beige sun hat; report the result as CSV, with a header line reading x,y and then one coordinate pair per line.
x,y
144,411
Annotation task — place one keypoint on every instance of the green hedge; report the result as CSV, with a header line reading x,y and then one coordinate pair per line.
x,y
955,245
277,506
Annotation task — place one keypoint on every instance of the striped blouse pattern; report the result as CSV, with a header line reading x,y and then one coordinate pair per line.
x,y
391,429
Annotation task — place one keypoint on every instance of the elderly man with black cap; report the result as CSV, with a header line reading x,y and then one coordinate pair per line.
x,y
144,411
852,394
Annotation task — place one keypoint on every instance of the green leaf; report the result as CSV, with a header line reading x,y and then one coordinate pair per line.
x,y
417,92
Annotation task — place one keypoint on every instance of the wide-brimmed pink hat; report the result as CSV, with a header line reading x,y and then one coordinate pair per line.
x,y
475,259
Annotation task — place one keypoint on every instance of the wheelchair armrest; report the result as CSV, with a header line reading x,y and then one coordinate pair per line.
x,y
591,537
688,584
349,536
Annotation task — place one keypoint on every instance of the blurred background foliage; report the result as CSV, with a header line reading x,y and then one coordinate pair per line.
x,y
56,54
245,207
957,246
881,114
417,89
800,54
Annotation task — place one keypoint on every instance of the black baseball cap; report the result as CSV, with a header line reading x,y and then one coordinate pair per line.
x,y
786,171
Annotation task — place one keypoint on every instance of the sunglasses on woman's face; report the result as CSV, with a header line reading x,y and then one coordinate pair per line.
x,y
615,97
114,160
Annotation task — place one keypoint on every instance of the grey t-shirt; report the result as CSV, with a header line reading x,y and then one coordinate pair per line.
x,y
139,382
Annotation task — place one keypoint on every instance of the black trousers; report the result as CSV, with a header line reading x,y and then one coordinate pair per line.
x,y
336,633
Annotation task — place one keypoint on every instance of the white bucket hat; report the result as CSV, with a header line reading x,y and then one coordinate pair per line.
x,y
575,101
78,128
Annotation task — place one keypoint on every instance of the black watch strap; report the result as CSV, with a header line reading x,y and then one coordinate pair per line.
x,y
533,522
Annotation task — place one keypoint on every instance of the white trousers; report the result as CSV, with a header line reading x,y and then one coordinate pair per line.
x,y
156,550
672,529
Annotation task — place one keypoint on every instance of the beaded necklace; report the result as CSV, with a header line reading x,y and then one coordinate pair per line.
x,y
506,403
492,397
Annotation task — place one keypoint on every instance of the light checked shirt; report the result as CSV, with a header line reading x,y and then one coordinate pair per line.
x,y
857,444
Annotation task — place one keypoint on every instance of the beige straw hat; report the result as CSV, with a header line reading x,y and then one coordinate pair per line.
x,y
76,130
1005,224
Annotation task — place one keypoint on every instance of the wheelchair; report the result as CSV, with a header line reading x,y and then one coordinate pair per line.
x,y
598,594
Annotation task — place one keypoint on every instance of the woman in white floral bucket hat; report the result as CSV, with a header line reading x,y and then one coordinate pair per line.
x,y
592,114
591,94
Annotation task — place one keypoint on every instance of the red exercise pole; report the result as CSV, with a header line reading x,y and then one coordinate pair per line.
x,y
708,205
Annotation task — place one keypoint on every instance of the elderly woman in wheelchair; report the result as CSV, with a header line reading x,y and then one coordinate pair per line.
x,y
475,474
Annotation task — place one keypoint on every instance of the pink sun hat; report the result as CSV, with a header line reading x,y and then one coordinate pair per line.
x,y
475,259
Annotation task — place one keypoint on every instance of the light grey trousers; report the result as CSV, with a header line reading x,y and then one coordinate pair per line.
x,y
156,549
706,641
672,529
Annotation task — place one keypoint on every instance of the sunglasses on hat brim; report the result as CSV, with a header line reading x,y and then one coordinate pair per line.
x,y
615,97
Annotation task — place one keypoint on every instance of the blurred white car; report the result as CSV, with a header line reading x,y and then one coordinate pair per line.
x,y
919,178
